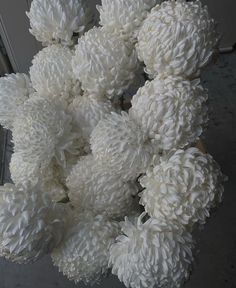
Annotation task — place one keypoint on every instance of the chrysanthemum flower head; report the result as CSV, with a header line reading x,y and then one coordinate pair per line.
x,y
54,21
124,17
84,254
151,254
171,110
183,187
121,144
31,225
103,63
177,38
41,133
51,74
93,187
15,89
87,111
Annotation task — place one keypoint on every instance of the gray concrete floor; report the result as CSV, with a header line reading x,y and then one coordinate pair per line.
x,y
215,264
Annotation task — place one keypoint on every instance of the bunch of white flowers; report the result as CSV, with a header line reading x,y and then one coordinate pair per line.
x,y
124,17
83,163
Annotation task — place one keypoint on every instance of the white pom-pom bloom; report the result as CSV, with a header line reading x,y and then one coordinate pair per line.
x,y
42,132
87,111
83,255
31,225
177,38
14,91
93,187
23,172
56,20
26,174
171,110
183,187
120,144
51,73
103,63
151,253
124,17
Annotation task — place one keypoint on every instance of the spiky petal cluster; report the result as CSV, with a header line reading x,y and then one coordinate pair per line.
x,y
31,225
103,63
177,38
83,255
95,188
23,172
14,91
171,110
87,111
151,253
183,187
27,174
42,132
124,17
54,21
51,73
121,144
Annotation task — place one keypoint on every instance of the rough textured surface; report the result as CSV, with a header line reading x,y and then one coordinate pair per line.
x,y
216,262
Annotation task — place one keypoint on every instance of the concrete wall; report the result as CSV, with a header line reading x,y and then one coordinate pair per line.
x,y
14,25
224,13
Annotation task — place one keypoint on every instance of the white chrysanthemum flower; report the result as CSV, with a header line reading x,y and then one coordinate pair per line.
x,y
124,17
31,225
14,91
177,38
151,253
24,173
171,110
120,144
41,133
93,187
83,255
54,21
103,63
51,73
87,111
183,187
